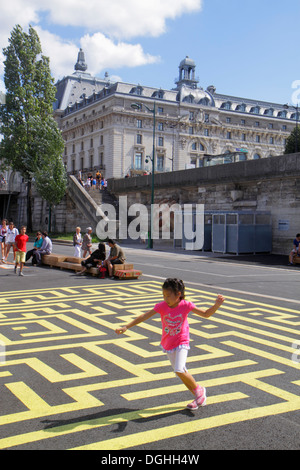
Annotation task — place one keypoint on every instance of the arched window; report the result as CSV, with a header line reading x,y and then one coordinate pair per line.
x,y
204,101
256,156
138,90
255,110
241,107
295,116
226,105
158,94
282,114
189,99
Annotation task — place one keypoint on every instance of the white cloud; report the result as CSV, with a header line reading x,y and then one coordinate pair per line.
x,y
102,52
105,29
120,18
14,12
63,54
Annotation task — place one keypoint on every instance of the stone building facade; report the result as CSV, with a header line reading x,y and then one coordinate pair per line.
x,y
104,129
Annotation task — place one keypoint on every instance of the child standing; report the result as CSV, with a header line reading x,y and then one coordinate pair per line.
x,y
20,244
174,311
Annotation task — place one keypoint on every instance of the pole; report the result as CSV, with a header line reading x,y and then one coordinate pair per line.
x,y
152,182
296,136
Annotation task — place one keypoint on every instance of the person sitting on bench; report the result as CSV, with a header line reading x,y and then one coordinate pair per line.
x,y
295,250
45,249
116,256
94,259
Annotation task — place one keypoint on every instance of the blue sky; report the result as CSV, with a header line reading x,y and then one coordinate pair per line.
x,y
248,49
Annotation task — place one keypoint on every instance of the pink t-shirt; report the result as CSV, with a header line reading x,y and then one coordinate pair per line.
x,y
175,327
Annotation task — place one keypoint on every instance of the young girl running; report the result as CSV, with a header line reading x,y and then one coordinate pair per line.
x,y
175,332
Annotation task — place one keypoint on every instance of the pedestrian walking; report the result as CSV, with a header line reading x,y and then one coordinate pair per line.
x,y
20,244
175,339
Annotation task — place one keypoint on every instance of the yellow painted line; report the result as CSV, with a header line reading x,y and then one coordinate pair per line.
x,y
87,425
183,429
28,397
262,353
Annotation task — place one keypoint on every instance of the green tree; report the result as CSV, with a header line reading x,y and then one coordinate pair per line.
x,y
50,178
293,141
31,139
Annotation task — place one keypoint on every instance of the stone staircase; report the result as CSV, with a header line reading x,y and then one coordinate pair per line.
x,y
89,202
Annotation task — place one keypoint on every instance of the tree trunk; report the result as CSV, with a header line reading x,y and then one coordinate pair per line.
x,y
29,206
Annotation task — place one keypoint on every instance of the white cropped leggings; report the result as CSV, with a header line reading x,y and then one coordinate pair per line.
x,y
178,360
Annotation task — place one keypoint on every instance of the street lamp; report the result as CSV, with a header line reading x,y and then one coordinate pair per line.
x,y
286,106
139,106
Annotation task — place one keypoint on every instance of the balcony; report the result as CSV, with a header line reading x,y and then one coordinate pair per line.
x,y
13,187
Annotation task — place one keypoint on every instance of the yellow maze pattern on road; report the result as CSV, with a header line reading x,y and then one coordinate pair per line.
x,y
66,377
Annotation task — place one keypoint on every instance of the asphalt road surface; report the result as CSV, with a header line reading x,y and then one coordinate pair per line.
x,y
67,381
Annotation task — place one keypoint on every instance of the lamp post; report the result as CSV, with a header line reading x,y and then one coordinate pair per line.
x,y
286,106
139,106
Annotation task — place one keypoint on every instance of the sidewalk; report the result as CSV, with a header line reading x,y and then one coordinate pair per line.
x,y
260,259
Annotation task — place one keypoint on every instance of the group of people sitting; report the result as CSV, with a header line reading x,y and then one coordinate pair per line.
x,y
98,258
41,246
9,238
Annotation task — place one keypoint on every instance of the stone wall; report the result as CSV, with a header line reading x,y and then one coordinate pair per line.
x,y
271,185
259,185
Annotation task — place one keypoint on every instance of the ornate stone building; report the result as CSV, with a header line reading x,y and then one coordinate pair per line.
x,y
104,129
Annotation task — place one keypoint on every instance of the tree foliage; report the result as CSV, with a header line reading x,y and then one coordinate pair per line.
x,y
32,143
293,141
50,177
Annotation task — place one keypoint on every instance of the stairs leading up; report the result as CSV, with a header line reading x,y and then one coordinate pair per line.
x,y
89,202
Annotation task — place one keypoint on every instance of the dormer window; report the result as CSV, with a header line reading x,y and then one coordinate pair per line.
x,y
226,105
138,90
158,94
241,107
255,110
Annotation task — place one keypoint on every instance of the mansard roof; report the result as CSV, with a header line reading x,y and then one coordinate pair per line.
x,y
81,88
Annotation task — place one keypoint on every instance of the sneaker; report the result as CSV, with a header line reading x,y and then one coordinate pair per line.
x,y
199,401
21,274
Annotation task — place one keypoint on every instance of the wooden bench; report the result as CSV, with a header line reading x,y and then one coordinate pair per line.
x,y
121,271
66,262
296,259
126,271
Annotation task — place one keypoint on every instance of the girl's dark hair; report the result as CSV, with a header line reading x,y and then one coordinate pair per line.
x,y
175,285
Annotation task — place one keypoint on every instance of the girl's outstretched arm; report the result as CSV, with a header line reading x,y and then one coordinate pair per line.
x,y
136,321
211,310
